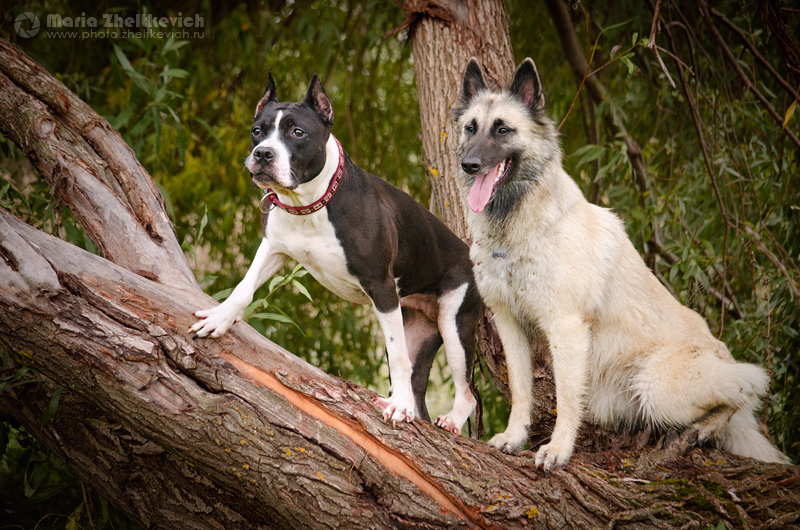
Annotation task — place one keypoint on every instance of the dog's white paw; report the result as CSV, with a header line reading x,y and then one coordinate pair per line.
x,y
510,441
463,406
553,455
448,423
398,408
216,321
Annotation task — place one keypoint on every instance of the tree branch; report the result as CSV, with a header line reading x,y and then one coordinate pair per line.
x,y
726,51
792,91
90,169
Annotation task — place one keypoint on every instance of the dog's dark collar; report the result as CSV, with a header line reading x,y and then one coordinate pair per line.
x,y
319,203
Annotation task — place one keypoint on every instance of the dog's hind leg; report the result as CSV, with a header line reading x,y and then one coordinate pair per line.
x,y
716,397
423,341
458,317
703,429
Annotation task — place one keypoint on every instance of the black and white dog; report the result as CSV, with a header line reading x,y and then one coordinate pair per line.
x,y
366,241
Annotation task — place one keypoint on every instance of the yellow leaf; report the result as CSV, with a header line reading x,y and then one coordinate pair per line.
x,y
434,171
789,113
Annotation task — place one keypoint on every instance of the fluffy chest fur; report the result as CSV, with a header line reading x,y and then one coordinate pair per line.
x,y
311,240
527,262
509,274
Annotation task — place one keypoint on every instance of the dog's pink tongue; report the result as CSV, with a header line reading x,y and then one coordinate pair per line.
x,y
481,191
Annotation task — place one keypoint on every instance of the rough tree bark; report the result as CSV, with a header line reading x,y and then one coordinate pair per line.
x,y
238,433
444,34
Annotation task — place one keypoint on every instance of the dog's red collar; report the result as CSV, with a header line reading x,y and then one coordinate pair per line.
x,y
319,203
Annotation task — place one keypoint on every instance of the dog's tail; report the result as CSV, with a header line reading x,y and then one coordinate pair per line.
x,y
743,384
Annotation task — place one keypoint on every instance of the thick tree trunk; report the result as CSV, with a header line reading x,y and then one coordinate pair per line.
x,y
238,433
444,35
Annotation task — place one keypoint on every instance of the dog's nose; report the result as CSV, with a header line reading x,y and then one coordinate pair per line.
x,y
264,154
471,165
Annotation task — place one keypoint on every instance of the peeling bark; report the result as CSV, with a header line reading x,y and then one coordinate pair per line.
x,y
238,433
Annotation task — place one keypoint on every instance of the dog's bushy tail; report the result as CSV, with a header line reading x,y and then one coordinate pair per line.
x,y
742,385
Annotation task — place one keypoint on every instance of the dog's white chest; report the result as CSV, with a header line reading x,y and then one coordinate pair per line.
x,y
311,241
510,276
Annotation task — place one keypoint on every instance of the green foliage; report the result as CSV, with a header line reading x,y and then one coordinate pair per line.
x,y
39,492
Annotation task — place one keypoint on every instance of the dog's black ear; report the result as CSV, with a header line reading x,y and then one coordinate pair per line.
x,y
474,81
527,86
270,96
318,99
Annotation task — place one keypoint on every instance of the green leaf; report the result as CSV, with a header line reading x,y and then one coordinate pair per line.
x,y
203,222
141,125
208,280
219,295
175,72
614,26
275,282
140,81
282,317
302,288
208,128
35,473
590,155
273,316
627,60
173,45
52,407
51,492
126,64
253,306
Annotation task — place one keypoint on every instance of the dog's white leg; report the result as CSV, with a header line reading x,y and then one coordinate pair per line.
x,y
569,346
465,402
217,320
400,405
520,379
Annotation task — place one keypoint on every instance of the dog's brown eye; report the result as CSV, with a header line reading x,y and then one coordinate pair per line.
x,y
503,130
470,129
256,131
299,133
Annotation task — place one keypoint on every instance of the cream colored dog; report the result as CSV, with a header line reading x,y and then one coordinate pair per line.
x,y
547,261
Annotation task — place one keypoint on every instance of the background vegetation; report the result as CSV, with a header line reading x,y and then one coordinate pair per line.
x,y
723,195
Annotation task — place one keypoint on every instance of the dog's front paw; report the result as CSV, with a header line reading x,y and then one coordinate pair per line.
x,y
398,408
216,321
510,441
553,455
